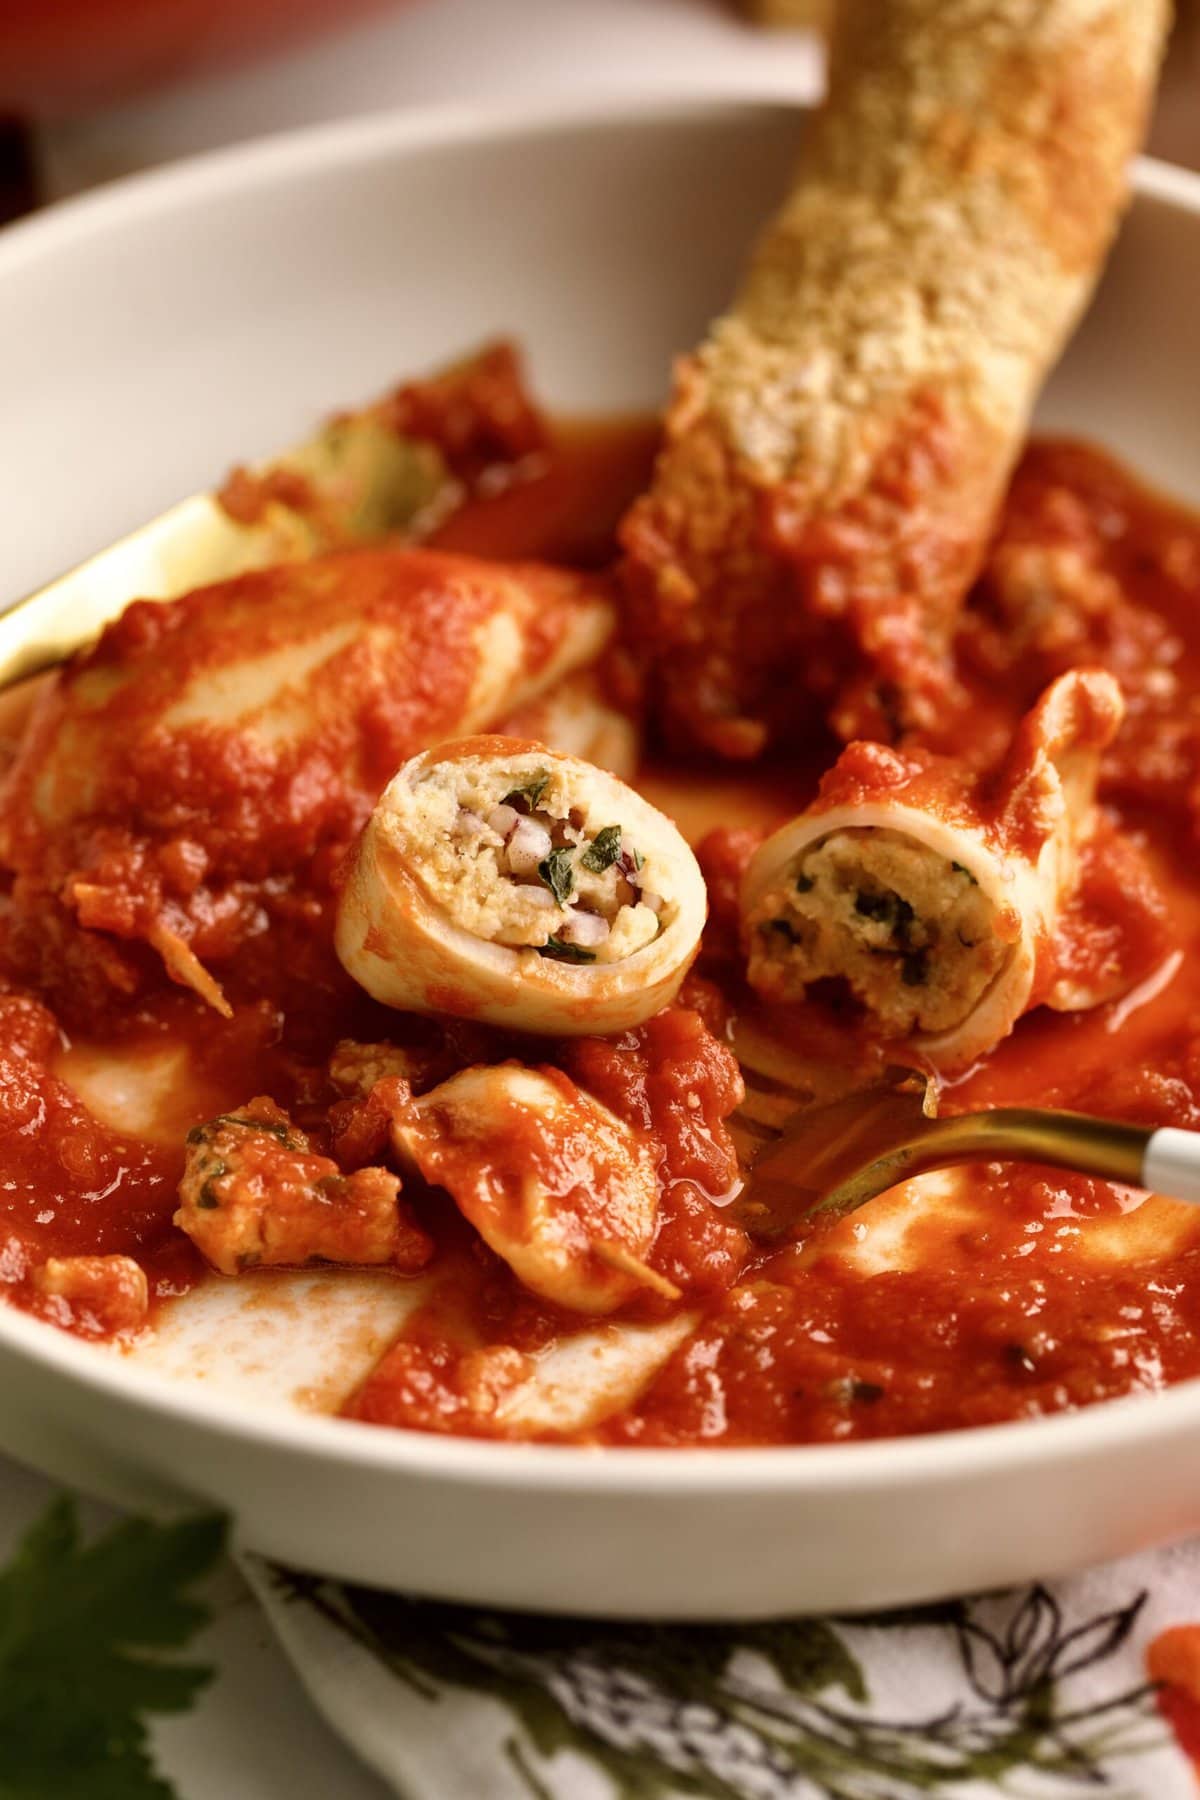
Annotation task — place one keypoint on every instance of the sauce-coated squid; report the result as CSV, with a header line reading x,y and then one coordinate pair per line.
x,y
560,1188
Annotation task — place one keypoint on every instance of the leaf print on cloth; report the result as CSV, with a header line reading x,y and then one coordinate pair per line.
x,y
83,1631
779,1711
1034,1649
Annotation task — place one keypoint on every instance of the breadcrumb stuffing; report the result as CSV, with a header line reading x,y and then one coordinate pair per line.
x,y
912,933
519,857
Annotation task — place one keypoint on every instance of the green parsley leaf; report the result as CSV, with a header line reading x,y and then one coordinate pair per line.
x,y
557,873
603,850
204,1134
79,1628
530,790
559,951
208,1196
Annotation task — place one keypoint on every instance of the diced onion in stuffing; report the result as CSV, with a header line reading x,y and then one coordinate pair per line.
x,y
572,906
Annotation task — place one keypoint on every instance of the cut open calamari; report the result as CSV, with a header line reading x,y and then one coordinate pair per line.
x,y
499,881
933,892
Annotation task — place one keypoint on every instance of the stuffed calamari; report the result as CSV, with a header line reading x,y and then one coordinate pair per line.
x,y
933,891
500,881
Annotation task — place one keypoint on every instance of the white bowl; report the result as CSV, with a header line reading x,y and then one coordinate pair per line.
x,y
151,334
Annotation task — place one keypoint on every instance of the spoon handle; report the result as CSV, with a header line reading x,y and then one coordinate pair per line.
x,y
1171,1163
1105,1147
1165,1161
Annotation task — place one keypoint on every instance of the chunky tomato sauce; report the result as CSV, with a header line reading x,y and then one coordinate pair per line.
x,y
1015,1291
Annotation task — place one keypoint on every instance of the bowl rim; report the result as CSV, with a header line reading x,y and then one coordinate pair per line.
x,y
284,158
281,156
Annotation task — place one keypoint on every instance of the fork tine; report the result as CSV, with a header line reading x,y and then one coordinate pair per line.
x,y
833,1156
769,1110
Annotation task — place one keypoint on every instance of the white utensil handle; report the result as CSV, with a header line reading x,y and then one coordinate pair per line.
x,y
1171,1164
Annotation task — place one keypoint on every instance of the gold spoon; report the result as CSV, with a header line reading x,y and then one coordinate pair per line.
x,y
835,1157
364,483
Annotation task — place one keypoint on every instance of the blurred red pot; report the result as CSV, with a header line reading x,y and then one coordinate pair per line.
x,y
59,57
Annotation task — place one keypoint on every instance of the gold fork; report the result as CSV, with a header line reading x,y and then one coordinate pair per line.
x,y
830,1158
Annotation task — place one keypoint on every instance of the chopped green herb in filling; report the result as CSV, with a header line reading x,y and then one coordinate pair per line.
x,y
887,909
603,850
911,933
520,860
558,875
529,790
559,951
914,970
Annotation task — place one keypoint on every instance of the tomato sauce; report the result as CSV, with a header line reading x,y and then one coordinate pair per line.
x,y
1011,1292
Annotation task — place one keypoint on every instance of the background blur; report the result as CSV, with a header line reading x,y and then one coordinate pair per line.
x,y
90,89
